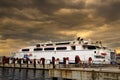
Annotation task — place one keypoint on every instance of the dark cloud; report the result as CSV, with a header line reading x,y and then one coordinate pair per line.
x,y
50,6
55,20
109,10
15,3
45,6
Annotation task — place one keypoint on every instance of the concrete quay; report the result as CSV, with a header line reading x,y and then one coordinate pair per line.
x,y
108,73
73,71
27,66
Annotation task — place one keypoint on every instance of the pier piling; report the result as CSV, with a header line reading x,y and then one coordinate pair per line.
x,y
53,62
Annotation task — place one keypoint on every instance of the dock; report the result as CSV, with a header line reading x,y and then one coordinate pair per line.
x,y
73,71
67,71
85,73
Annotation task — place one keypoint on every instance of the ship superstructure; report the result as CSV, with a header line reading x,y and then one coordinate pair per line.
x,y
69,49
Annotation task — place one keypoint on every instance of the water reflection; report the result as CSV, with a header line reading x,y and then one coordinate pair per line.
x,y
23,74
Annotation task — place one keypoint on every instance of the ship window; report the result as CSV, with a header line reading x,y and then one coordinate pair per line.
x,y
37,45
49,44
48,48
42,44
91,47
63,43
38,49
73,47
99,56
25,49
61,48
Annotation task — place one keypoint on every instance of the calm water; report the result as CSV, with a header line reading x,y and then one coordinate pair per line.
x,y
23,74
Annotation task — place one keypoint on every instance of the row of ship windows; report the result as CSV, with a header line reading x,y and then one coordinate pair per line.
x,y
60,48
66,43
41,49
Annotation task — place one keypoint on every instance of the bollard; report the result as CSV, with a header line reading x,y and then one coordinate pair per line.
x,y
53,62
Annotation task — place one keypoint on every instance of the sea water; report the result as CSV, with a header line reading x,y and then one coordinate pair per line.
x,y
23,74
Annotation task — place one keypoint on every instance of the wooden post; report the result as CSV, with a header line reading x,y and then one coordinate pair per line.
x,y
27,59
53,62
34,63
77,61
64,62
3,60
14,61
20,62
43,62
90,61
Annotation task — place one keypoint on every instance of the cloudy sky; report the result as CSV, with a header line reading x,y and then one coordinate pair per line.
x,y
24,22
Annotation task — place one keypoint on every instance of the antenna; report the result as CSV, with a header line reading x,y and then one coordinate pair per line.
x,y
75,35
100,43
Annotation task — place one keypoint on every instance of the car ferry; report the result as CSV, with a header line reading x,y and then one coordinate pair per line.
x,y
84,49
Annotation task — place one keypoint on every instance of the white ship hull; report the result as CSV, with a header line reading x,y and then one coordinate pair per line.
x,y
98,55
